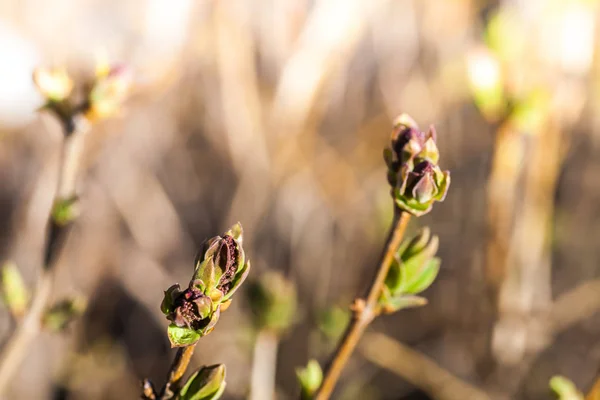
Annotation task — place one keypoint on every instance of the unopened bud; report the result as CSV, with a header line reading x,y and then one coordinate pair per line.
x,y
413,173
310,378
53,83
109,92
220,269
221,266
208,383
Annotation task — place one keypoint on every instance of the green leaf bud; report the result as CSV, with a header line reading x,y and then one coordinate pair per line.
x,y
13,290
310,379
208,383
61,314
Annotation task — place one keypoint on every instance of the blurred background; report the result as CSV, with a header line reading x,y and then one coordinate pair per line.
x,y
275,114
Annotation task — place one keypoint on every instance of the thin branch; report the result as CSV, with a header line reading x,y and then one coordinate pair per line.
x,y
417,369
178,368
594,393
574,306
16,349
262,383
364,311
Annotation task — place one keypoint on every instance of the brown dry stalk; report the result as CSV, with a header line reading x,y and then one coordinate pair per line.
x,y
19,343
364,311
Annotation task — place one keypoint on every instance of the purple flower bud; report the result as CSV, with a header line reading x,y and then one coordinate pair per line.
x,y
407,142
421,183
226,258
413,173
190,308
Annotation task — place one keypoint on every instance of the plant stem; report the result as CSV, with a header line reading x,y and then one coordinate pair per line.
x,y
262,383
594,393
364,311
19,343
178,368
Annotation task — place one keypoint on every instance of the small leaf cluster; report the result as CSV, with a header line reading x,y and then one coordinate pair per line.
x,y
102,98
413,270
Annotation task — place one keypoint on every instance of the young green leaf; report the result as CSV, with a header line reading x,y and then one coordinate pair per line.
x,y
565,389
423,277
58,317
13,289
180,337
65,211
208,383
272,299
310,378
333,321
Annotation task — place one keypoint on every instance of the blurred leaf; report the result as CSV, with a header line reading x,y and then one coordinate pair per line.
x,y
273,302
208,383
180,337
565,389
530,113
65,211
110,89
53,83
58,317
14,291
333,322
310,378
487,84
505,35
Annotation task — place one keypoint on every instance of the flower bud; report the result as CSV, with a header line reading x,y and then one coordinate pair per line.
x,y
413,173
220,268
191,308
414,270
110,89
208,383
53,83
